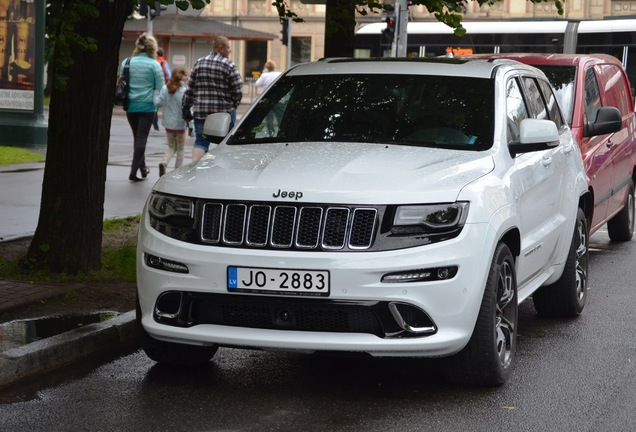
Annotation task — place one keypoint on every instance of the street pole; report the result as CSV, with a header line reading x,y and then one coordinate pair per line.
x,y
149,22
398,48
289,48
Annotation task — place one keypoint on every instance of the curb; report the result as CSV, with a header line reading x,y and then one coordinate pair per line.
x,y
24,167
67,348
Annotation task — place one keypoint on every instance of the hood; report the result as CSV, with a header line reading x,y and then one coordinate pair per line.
x,y
354,173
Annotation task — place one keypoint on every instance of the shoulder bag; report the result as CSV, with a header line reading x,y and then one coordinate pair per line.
x,y
121,92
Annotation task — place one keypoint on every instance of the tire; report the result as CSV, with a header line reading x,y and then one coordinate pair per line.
x,y
488,358
566,297
171,353
621,227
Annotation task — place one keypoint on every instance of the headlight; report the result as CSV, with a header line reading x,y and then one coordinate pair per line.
x,y
166,206
172,215
429,218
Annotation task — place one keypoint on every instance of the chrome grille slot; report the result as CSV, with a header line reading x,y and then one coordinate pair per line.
x,y
337,221
299,227
283,227
258,225
363,227
309,227
211,228
234,223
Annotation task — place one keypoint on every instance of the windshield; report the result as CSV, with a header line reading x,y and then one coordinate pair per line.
x,y
562,80
431,111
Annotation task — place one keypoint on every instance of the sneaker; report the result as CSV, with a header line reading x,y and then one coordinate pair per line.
x,y
162,169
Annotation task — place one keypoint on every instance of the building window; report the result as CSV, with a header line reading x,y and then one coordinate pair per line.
x,y
301,50
255,58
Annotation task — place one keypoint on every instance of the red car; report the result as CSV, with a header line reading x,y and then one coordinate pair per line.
x,y
594,94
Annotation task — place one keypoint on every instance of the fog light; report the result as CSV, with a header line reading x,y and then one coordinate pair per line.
x,y
153,261
166,265
421,275
443,273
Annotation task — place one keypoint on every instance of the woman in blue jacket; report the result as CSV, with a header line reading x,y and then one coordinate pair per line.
x,y
146,78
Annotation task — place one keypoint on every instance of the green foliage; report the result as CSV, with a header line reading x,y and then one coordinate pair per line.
x,y
16,155
119,256
62,18
111,225
118,259
450,12
119,264
181,4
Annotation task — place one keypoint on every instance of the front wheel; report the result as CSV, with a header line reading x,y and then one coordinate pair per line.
x,y
621,226
566,297
488,358
173,353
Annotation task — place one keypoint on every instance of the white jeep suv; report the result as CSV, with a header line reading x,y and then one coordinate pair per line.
x,y
391,207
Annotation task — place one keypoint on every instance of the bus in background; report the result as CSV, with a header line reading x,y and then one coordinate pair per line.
x,y
616,37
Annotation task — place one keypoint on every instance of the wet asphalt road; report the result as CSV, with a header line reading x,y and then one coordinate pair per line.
x,y
575,374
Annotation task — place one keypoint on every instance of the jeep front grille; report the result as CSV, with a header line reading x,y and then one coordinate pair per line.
x,y
302,227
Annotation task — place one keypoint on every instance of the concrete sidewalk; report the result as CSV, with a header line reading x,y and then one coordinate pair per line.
x,y
14,294
20,193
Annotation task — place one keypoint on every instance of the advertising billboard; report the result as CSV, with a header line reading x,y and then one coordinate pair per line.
x,y
17,54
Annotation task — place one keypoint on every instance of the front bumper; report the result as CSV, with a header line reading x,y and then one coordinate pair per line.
x,y
196,307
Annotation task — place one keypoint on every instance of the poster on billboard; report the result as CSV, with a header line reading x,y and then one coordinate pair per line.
x,y
17,48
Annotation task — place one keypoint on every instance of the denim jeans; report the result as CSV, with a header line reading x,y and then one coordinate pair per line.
x,y
140,124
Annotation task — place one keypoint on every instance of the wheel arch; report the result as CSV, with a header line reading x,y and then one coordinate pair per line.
x,y
586,203
512,239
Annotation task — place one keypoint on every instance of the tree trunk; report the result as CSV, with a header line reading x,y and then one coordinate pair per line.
x,y
68,236
340,24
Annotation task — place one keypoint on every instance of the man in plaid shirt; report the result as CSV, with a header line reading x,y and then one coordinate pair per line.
x,y
215,85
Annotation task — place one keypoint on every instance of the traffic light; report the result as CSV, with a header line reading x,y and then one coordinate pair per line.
x,y
284,30
389,32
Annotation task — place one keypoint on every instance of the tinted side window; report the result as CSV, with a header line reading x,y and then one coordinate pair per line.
x,y
515,109
551,102
562,80
615,86
535,100
592,96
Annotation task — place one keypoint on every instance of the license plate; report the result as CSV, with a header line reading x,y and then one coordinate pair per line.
x,y
278,281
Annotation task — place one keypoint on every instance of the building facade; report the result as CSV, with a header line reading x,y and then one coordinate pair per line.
x,y
308,37
254,28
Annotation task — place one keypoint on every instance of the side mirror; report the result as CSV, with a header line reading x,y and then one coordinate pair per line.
x,y
608,120
535,135
216,127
